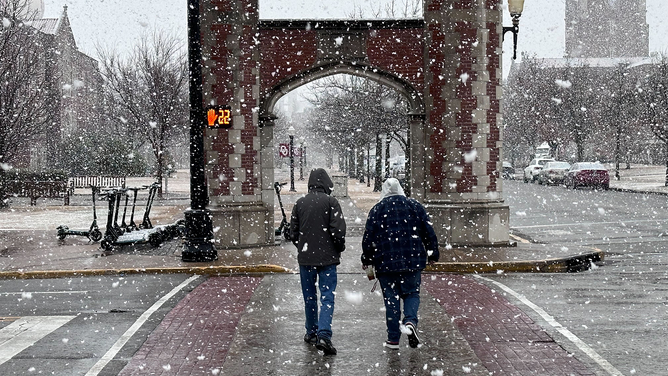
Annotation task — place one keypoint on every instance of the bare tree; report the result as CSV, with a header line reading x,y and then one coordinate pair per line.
x,y
654,96
23,82
149,93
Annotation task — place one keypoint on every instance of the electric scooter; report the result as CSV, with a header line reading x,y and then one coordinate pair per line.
x,y
284,227
94,234
116,235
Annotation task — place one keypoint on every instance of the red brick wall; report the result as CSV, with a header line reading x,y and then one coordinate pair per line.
x,y
284,53
400,52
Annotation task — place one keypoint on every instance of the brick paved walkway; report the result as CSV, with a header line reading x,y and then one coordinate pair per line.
x,y
195,336
506,340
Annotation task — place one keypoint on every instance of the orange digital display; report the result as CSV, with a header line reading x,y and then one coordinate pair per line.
x,y
219,117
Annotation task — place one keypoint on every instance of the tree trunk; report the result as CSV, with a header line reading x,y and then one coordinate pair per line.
x,y
388,141
666,181
378,179
368,165
618,150
407,166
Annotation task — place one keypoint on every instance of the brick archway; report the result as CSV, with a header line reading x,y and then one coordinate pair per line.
x,y
447,66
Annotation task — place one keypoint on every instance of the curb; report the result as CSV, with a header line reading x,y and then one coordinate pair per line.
x,y
202,270
569,264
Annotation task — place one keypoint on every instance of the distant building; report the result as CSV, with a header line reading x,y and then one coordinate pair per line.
x,y
74,87
606,28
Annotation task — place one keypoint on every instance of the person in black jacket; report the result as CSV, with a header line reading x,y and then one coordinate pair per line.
x,y
318,229
398,242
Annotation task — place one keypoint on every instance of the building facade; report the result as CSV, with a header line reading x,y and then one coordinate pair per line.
x,y
74,87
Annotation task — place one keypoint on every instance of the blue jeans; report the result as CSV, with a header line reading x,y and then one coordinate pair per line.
x,y
400,286
326,276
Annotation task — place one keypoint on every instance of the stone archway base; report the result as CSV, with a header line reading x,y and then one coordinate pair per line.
x,y
485,224
242,225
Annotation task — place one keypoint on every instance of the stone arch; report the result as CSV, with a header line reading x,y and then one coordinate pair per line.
x,y
359,69
448,64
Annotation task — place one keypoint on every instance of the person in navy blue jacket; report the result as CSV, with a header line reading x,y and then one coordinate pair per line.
x,y
399,241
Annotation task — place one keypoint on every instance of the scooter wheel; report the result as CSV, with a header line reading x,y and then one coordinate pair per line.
x,y
155,239
95,235
106,245
62,236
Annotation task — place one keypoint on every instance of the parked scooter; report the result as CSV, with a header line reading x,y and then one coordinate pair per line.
x,y
125,234
93,233
284,227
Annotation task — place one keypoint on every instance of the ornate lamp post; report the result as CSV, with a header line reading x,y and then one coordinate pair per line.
x,y
291,134
199,228
515,8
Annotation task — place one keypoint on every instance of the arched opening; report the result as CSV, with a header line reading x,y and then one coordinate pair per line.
x,y
363,154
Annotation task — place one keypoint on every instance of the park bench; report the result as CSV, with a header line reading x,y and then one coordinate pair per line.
x,y
37,189
98,181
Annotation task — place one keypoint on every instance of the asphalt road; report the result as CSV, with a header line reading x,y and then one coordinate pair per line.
x,y
615,316
70,326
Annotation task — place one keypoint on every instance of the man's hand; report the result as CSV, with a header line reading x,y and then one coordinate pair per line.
x,y
365,267
431,262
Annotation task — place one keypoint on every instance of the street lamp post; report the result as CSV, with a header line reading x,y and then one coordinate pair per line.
x,y
291,134
301,159
304,155
515,7
198,244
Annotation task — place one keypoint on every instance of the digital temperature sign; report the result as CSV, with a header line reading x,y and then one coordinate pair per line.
x,y
219,116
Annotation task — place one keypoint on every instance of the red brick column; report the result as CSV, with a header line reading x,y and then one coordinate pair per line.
x,y
463,189
231,77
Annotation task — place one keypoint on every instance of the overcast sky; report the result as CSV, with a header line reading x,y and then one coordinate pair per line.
x,y
119,23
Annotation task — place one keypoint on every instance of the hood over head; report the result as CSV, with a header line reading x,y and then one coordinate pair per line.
x,y
320,181
391,187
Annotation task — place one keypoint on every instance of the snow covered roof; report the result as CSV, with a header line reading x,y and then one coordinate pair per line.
x,y
608,62
46,25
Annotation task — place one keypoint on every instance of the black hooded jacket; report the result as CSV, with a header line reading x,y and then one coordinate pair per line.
x,y
317,224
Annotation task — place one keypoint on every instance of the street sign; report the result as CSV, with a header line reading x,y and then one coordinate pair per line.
x,y
219,116
284,150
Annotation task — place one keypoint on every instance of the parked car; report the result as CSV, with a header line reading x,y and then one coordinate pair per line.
x,y
553,172
587,174
534,167
508,171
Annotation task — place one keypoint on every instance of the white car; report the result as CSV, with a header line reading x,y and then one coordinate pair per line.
x,y
534,167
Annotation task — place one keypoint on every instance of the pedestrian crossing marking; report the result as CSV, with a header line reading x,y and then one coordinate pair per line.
x,y
25,331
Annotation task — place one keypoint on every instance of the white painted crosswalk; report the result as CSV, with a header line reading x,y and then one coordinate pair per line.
x,y
25,331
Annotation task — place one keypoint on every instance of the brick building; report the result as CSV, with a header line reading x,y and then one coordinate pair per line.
x,y
74,85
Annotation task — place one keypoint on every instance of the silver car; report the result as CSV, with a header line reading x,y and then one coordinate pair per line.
x,y
534,167
553,172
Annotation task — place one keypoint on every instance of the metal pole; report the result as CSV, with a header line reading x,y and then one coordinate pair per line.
x,y
301,162
292,164
198,244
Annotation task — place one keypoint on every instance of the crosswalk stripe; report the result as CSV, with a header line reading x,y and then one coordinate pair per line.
x,y
25,331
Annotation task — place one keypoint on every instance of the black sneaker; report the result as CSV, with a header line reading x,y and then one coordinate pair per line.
x,y
311,339
413,340
326,346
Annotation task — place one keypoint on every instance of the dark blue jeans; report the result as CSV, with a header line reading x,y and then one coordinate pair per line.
x,y
326,277
396,287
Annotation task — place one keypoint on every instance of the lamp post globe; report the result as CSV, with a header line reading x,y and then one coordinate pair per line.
x,y
515,8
